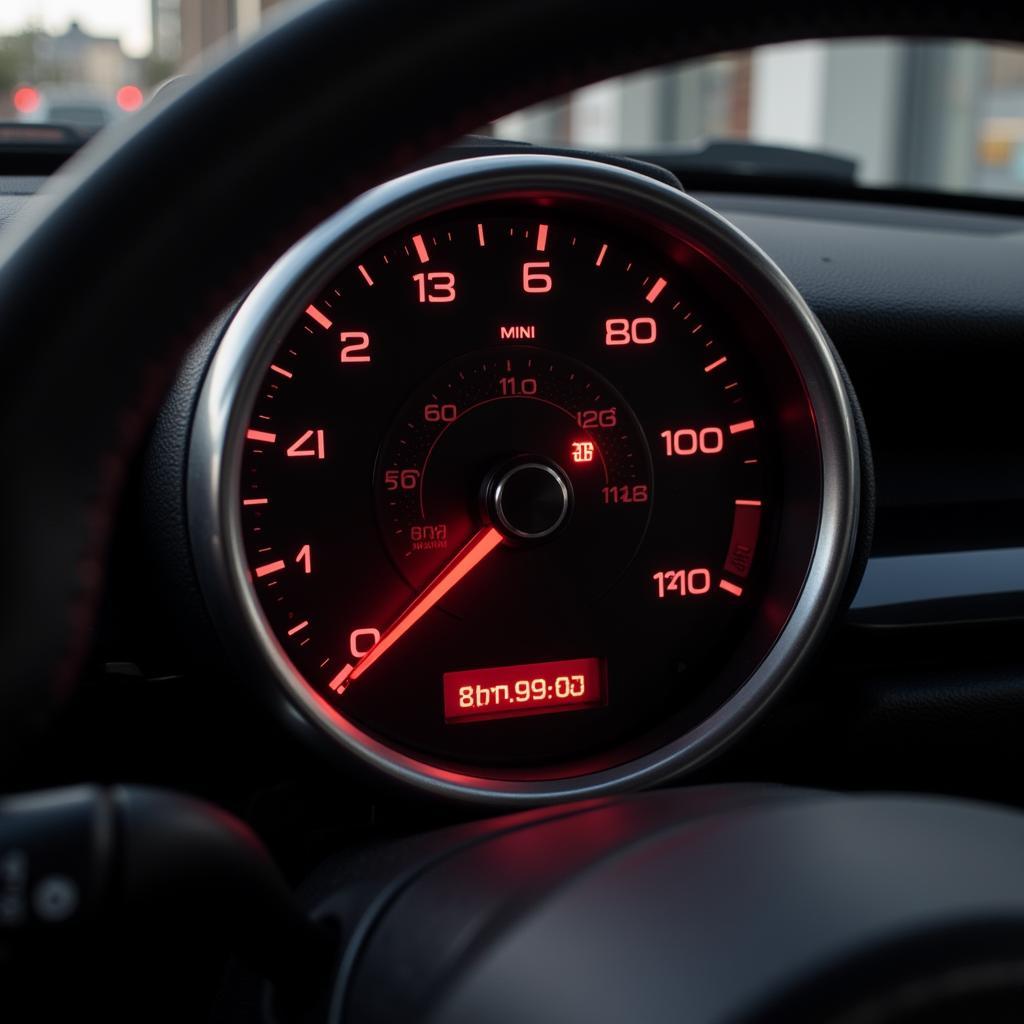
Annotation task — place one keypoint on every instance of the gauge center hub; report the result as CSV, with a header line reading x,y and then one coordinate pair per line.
x,y
530,499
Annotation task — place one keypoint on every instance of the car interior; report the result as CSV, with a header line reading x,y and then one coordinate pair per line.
x,y
451,576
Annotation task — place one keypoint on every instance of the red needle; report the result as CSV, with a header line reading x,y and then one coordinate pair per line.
x,y
481,545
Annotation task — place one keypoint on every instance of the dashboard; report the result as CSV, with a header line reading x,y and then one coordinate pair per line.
x,y
526,481
334,482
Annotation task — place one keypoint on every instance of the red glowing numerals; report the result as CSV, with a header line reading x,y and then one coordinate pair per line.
x,y
535,280
625,494
570,686
361,641
518,385
684,582
522,691
437,286
355,347
620,331
708,441
440,413
401,479
297,449
488,693
583,451
305,557
590,418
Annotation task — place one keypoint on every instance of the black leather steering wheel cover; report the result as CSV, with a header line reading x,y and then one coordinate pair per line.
x,y
153,229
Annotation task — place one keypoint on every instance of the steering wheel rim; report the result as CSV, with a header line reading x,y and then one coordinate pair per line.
x,y
170,197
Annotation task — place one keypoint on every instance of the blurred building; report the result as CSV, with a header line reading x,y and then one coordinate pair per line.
x,y
165,22
1001,133
78,57
184,29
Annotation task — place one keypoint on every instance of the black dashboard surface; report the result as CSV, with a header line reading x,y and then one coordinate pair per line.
x,y
925,307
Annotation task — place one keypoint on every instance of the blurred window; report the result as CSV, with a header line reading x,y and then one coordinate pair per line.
x,y
927,115
936,116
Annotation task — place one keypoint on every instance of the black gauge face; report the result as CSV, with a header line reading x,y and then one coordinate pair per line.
x,y
508,486
523,478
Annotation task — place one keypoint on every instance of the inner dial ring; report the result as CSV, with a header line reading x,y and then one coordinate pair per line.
x,y
484,426
668,423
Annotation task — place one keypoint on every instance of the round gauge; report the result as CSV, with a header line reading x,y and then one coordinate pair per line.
x,y
524,478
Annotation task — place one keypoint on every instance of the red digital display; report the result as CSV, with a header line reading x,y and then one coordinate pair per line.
x,y
541,688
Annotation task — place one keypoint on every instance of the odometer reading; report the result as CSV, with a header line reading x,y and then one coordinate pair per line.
x,y
488,693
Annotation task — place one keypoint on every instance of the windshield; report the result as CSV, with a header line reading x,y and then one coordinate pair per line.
x,y
933,116
883,113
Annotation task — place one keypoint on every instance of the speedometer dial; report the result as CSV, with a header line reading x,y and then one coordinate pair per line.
x,y
522,470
